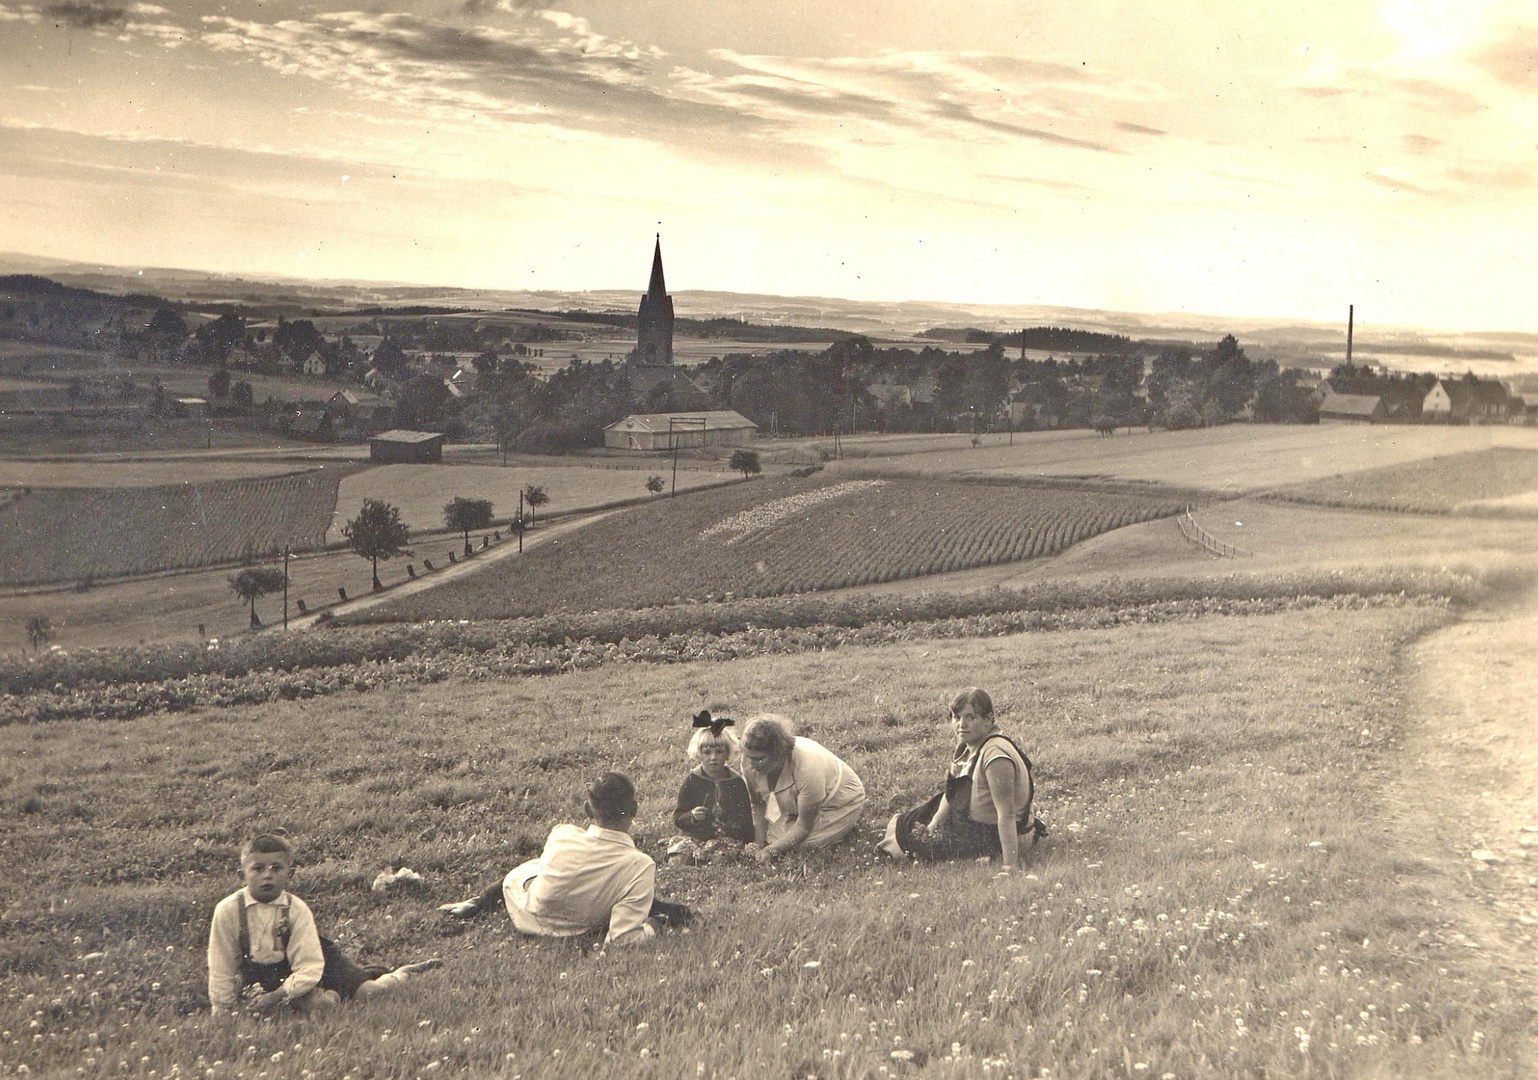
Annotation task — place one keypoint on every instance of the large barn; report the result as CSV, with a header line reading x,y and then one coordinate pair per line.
x,y
665,431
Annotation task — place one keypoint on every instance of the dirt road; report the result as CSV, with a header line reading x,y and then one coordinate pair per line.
x,y
1469,783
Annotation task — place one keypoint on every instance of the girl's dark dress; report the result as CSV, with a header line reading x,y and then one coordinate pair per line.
x,y
727,810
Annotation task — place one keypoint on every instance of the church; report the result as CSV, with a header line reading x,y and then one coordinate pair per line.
x,y
654,330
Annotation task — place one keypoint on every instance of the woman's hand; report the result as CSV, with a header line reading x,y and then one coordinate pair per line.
x,y
763,853
699,813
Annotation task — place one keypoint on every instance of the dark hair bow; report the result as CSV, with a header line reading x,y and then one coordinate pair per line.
x,y
704,719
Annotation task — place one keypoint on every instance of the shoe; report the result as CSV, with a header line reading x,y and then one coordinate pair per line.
x,y
462,909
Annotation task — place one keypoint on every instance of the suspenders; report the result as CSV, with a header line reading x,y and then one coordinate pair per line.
x,y
280,932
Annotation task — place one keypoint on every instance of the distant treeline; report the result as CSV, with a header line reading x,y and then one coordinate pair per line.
x,y
723,328
1041,338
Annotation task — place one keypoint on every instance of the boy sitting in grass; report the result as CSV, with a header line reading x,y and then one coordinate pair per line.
x,y
263,945
586,879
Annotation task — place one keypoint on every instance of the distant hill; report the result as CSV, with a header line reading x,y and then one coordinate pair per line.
x,y
1298,342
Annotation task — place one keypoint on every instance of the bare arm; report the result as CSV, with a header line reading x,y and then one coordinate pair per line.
x,y
1001,785
760,821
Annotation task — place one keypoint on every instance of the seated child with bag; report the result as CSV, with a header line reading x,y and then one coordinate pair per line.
x,y
714,813
586,880
263,945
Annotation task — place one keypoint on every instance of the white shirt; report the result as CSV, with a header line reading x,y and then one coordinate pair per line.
x,y
814,771
304,955
582,879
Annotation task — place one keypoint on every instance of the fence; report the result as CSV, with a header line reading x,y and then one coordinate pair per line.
x,y
1202,538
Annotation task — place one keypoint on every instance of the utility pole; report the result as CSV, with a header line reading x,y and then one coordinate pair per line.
x,y
1350,325
285,586
520,521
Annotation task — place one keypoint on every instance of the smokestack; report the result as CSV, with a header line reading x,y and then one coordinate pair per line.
x,y
1350,324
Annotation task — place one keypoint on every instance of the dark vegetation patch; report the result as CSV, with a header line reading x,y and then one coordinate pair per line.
x,y
125,683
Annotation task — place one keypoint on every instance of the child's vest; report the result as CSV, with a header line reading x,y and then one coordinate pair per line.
x,y
958,789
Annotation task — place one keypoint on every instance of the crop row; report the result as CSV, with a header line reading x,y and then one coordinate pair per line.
x,y
667,552
77,534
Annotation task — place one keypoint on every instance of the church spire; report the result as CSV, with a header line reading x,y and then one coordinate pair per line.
x,y
657,287
654,322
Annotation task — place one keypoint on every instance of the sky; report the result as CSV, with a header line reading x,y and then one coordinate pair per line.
x,y
1262,158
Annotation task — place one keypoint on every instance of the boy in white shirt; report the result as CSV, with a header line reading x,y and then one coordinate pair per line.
x,y
263,945
586,879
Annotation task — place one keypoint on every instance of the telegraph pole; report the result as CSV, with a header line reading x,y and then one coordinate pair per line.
x,y
285,586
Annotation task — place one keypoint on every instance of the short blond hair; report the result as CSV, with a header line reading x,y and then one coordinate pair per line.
x,y
705,735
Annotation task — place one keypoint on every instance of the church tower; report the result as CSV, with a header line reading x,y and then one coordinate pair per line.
x,y
654,326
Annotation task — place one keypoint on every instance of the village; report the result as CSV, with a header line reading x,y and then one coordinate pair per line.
x,y
546,382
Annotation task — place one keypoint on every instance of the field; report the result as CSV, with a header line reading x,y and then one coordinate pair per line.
x,y
421,490
1259,862
1477,481
1223,893
69,534
140,472
1232,459
782,536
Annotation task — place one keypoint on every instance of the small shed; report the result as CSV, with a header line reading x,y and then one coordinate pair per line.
x,y
665,431
1361,408
406,447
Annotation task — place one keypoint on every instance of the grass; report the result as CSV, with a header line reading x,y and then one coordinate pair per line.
x,y
118,474
1232,459
69,534
781,536
1222,894
1440,485
421,490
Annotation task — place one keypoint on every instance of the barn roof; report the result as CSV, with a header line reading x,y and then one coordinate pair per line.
x,y
400,435
714,420
1350,405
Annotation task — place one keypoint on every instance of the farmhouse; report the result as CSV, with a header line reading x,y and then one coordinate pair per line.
x,y
399,446
1361,408
1467,401
360,409
665,431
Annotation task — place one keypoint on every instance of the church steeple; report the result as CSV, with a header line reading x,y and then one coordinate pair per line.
x,y
654,322
657,287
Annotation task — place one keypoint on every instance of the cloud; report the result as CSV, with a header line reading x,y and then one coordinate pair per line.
x,y
1513,59
87,16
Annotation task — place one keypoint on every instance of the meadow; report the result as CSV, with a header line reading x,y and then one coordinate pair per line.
x,y
1223,894
780,536
1231,459
81,534
420,491
1471,482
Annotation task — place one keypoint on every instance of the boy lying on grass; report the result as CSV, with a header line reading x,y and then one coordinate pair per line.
x,y
586,880
263,946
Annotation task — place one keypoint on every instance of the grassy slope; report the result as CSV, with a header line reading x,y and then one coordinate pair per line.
x,y
421,490
1234,458
665,551
1220,896
71,533
1436,486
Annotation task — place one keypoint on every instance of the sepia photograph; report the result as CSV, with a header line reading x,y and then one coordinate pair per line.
x,y
967,540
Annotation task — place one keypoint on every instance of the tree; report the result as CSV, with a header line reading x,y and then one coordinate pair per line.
x,y
466,514
39,631
243,395
536,497
655,484
745,462
377,533
254,582
219,383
